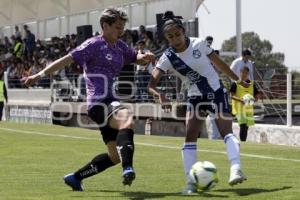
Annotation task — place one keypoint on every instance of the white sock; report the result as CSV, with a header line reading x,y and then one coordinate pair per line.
x,y
233,151
189,157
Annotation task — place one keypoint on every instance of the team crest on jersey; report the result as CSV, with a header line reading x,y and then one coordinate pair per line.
x,y
196,53
108,56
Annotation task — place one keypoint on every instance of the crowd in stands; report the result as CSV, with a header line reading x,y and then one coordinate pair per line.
x,y
22,54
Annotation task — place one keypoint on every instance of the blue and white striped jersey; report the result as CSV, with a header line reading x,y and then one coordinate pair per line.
x,y
198,72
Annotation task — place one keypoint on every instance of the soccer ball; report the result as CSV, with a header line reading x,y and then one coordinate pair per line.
x,y
248,99
204,175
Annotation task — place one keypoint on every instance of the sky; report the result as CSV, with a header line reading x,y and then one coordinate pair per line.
x,y
273,20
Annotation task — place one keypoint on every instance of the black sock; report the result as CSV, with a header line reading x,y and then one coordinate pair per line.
x,y
97,165
125,146
243,132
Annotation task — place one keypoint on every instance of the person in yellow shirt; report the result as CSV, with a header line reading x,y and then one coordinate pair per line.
x,y
242,102
3,94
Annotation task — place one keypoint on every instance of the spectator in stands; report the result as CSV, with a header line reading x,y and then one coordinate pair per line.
x,y
149,41
25,29
127,38
3,95
135,37
190,59
242,109
18,33
7,43
102,58
142,32
73,38
39,45
18,48
243,61
142,74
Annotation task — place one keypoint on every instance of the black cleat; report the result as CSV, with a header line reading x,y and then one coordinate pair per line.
x,y
128,176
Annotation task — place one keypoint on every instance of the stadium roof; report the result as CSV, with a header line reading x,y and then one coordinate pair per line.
x,y
20,11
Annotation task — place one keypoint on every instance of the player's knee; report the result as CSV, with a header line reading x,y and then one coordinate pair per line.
x,y
127,124
125,119
124,124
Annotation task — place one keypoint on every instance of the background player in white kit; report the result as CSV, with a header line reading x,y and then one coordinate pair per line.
x,y
245,60
190,59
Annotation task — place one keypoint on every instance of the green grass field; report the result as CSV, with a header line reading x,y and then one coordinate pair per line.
x,y
34,158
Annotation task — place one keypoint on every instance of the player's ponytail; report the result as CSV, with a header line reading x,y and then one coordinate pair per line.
x,y
169,19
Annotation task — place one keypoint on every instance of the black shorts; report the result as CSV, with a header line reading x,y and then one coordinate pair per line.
x,y
101,113
216,102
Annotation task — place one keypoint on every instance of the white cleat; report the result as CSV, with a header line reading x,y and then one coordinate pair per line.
x,y
236,176
189,189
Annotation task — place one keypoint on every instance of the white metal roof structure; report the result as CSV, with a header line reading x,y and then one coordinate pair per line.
x,y
42,15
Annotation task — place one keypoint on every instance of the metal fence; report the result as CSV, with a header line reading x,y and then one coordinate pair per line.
x,y
132,87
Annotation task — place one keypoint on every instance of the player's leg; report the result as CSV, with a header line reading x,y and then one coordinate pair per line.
x,y
189,149
99,163
1,109
224,123
243,132
123,121
233,149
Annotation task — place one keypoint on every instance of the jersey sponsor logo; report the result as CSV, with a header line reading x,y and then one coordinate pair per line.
x,y
193,76
92,170
196,53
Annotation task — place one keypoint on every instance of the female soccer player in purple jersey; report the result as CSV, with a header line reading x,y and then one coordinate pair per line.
x,y
102,58
191,60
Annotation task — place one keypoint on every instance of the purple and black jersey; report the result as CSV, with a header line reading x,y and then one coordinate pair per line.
x,y
101,64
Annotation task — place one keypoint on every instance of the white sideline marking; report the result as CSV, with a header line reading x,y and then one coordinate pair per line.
x,y
148,144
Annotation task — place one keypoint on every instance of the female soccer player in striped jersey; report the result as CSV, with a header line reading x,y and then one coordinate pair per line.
x,y
191,59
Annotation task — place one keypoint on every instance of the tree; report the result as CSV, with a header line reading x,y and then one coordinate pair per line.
x,y
261,50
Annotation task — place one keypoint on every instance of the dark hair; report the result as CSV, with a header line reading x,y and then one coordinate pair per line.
x,y
169,19
111,15
209,38
141,42
246,52
217,52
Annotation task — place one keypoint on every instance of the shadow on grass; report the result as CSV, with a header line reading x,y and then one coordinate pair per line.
x,y
153,195
250,191
141,195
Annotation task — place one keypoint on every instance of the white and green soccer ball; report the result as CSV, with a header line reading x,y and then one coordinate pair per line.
x,y
248,99
204,175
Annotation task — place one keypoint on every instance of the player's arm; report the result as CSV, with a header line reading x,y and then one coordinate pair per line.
x,y
223,67
236,98
154,80
233,93
56,65
145,59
